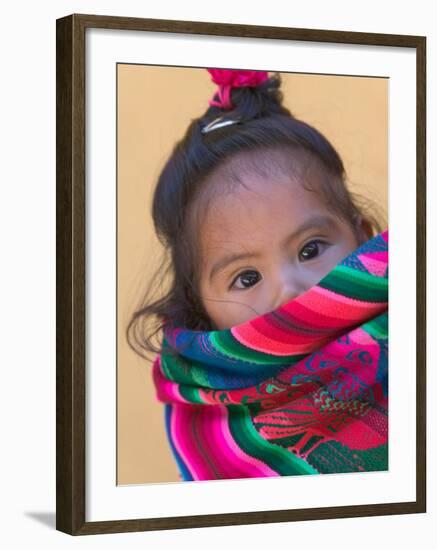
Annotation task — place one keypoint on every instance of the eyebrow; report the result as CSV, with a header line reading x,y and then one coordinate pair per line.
x,y
320,221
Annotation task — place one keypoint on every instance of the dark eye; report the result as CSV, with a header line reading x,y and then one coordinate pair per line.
x,y
310,250
247,279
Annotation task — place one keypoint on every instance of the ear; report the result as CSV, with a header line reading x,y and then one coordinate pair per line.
x,y
365,229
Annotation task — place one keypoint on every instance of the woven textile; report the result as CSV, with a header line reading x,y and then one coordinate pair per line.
x,y
302,389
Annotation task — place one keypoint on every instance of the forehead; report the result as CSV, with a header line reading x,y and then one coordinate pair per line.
x,y
258,196
258,212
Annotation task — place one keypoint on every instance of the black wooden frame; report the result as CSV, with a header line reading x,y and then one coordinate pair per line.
x,y
70,273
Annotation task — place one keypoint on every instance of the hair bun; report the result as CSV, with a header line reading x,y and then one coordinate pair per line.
x,y
245,95
232,78
237,78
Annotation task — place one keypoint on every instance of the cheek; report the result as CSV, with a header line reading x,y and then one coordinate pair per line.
x,y
220,314
227,311
350,245
210,298
314,272
341,251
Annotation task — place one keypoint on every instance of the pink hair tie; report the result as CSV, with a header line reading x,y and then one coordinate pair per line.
x,y
228,79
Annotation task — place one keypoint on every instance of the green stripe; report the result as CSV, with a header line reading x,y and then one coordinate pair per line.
x,y
293,411
332,457
356,284
185,372
181,370
378,327
190,394
247,438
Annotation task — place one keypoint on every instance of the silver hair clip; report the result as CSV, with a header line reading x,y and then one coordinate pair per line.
x,y
219,122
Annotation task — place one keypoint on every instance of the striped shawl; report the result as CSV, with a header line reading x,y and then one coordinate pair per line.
x,y
299,390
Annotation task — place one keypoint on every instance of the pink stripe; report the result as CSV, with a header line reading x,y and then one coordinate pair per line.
x,y
181,420
309,317
257,467
270,329
322,299
177,438
166,390
177,396
380,256
218,449
259,342
232,461
229,461
261,336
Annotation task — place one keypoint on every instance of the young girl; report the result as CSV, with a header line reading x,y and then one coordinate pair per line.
x,y
273,358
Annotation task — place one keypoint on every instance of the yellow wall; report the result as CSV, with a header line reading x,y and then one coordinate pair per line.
x,y
155,104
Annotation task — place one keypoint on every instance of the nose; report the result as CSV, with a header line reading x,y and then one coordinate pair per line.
x,y
288,288
284,297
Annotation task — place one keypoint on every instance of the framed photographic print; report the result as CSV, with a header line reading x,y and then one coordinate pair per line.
x,y
224,199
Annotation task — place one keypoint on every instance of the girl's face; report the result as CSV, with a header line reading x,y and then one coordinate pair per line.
x,y
263,245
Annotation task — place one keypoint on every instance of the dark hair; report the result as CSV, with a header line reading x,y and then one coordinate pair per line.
x,y
265,124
